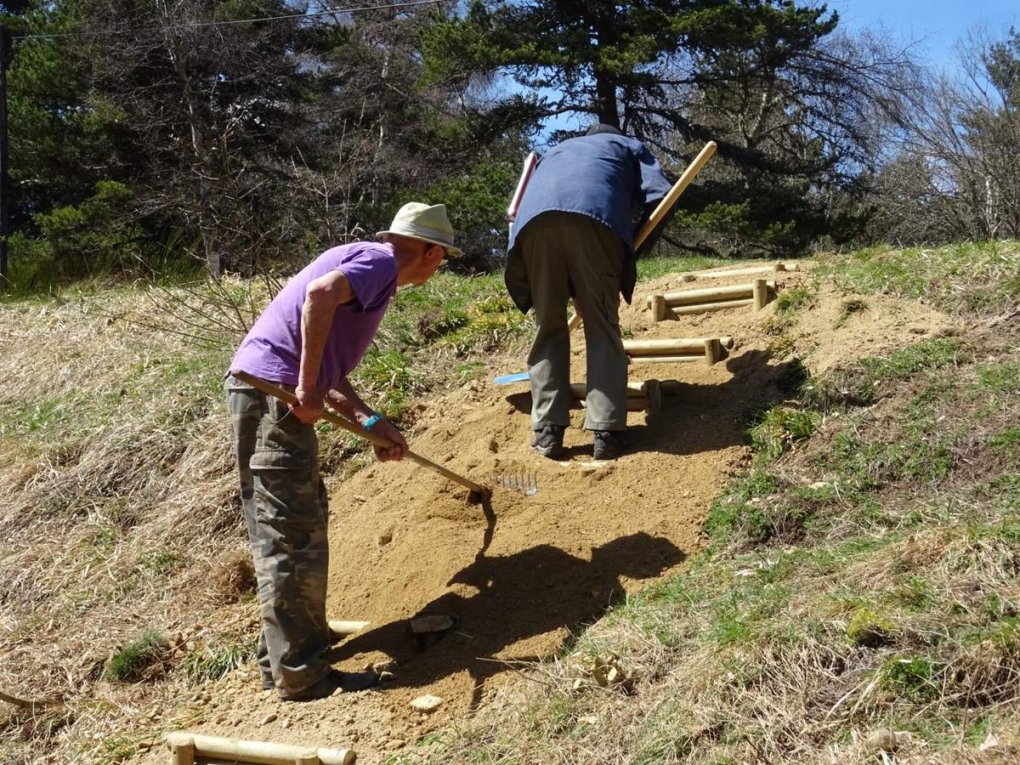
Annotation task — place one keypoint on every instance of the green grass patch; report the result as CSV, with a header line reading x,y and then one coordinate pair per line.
x,y
861,384
218,659
658,266
132,662
386,378
779,429
728,515
973,277
870,627
916,678
160,562
866,465
849,308
795,299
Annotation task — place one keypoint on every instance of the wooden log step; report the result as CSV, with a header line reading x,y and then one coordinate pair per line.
x,y
677,346
198,747
580,390
634,403
712,294
682,310
641,397
666,359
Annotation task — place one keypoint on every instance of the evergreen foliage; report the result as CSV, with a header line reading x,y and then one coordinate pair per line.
x,y
793,107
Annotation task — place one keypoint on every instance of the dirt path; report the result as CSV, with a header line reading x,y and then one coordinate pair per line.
x,y
520,573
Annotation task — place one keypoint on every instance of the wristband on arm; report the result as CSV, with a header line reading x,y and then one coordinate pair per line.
x,y
371,421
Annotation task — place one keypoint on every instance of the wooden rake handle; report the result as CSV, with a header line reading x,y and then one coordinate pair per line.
x,y
342,422
664,207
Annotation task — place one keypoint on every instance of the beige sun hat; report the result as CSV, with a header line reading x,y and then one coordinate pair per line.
x,y
426,222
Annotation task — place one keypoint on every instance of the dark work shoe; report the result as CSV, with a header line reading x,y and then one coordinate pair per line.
x,y
335,681
549,441
609,444
268,684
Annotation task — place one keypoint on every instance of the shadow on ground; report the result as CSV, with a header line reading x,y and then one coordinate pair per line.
x,y
704,417
518,596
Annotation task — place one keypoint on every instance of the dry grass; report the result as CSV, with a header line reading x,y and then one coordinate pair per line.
x,y
119,495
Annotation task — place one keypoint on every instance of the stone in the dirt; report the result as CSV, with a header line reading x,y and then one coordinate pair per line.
x,y
268,719
882,740
427,703
424,625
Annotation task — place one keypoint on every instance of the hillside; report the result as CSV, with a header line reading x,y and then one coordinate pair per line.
x,y
714,553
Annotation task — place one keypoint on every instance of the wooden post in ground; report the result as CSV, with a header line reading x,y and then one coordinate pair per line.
x,y
182,751
653,394
677,346
658,308
713,350
760,293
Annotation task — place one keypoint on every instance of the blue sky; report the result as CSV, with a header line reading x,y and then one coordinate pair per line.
x,y
934,26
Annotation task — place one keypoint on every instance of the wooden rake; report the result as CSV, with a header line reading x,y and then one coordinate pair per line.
x,y
342,422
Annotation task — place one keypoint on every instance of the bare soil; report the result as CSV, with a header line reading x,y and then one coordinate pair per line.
x,y
522,574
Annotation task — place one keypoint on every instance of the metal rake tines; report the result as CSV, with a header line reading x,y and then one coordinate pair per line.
x,y
523,482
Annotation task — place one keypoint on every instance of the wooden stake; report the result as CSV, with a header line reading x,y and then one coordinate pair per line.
x,y
761,294
713,351
308,758
670,387
634,403
182,752
658,308
255,752
654,393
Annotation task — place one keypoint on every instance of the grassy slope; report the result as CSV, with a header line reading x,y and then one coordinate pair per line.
x,y
862,575
860,589
122,556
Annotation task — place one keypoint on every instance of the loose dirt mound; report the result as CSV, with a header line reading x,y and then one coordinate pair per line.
x,y
520,573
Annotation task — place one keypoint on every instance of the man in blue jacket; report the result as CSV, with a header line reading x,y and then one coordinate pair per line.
x,y
573,237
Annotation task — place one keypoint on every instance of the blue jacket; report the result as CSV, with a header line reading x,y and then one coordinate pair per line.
x,y
604,176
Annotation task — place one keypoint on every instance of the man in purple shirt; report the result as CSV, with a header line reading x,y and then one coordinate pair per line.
x,y
308,340
573,237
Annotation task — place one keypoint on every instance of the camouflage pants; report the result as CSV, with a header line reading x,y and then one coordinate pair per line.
x,y
285,508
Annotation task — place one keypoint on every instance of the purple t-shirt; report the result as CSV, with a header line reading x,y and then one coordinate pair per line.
x,y
272,349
